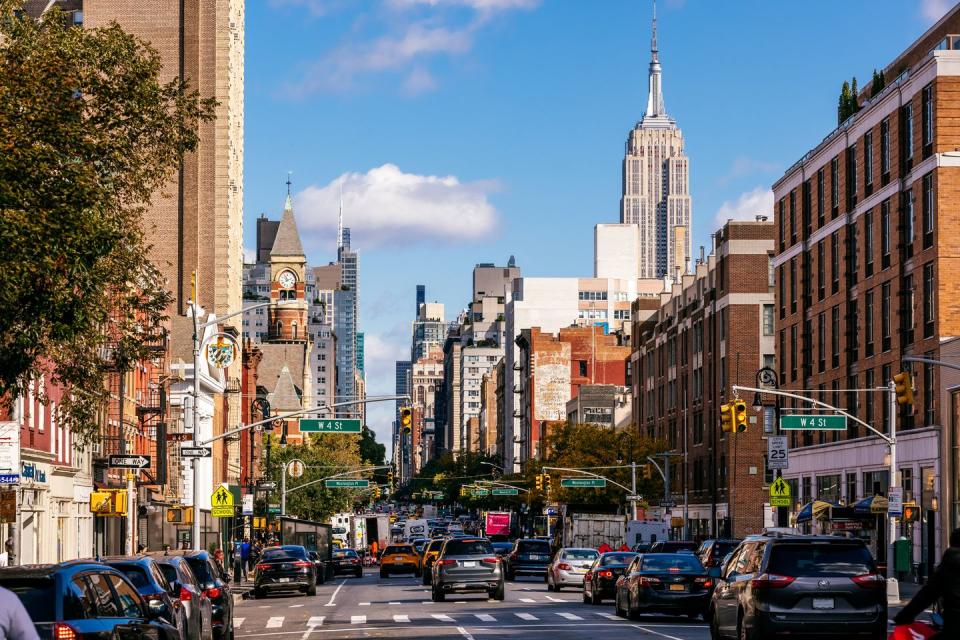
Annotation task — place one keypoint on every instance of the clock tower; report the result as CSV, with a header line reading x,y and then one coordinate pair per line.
x,y
288,282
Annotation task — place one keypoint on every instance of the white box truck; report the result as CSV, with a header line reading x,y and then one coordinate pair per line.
x,y
593,529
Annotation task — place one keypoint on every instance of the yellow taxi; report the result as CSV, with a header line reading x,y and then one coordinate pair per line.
x,y
399,558
430,553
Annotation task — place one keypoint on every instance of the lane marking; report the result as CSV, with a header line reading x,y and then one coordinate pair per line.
x,y
526,616
551,598
275,622
442,617
609,616
485,617
364,604
464,633
238,622
295,606
401,618
394,602
460,602
316,621
358,619
365,629
569,616
527,600
334,594
656,633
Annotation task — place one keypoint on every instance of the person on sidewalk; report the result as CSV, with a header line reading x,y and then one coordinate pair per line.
x,y
944,585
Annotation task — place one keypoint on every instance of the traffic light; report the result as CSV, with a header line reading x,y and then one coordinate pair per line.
x,y
547,481
647,471
904,387
726,418
539,482
376,491
740,415
911,513
463,491
406,419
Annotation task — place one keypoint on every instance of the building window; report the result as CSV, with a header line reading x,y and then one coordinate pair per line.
x,y
783,293
906,313
868,243
793,285
928,213
908,222
868,323
926,101
806,492
885,316
768,319
851,488
907,119
929,300
783,354
828,488
793,352
835,262
835,336
887,375
780,223
852,264
885,234
822,342
821,271
851,177
834,187
885,150
868,162
869,383
793,217
821,209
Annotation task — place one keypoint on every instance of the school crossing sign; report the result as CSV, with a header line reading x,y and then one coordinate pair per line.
x,y
221,503
779,493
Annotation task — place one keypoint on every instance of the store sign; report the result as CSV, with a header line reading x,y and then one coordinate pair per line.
x,y
9,452
31,471
895,502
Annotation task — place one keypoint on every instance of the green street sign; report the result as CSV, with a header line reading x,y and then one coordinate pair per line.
x,y
481,493
330,425
572,483
274,508
506,492
813,423
346,484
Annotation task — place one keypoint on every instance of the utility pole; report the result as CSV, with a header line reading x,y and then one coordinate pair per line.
x,y
194,463
893,588
633,489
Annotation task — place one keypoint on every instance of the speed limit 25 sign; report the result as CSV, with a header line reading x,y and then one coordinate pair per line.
x,y
778,455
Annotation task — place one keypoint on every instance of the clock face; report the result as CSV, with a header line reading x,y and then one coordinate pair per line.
x,y
287,280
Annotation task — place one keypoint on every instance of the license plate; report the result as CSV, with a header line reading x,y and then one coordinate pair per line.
x,y
283,579
469,564
537,557
399,560
678,587
823,603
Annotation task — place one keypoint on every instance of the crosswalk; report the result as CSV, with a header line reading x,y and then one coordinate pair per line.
x,y
282,622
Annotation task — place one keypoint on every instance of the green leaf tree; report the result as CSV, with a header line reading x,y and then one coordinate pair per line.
x,y
88,135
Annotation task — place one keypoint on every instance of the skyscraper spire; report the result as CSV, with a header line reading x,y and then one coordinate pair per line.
x,y
340,221
288,203
655,108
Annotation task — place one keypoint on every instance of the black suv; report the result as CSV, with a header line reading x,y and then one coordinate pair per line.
x,y
85,600
285,568
529,557
800,586
152,584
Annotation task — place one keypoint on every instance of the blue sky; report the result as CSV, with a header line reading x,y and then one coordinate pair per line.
x,y
464,131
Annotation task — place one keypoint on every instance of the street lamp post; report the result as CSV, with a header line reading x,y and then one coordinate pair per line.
x,y
767,377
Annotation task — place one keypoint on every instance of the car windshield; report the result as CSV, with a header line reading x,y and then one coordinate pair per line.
x,y
200,569
579,554
136,574
674,547
820,560
169,572
37,595
283,554
609,559
533,546
392,549
468,548
671,563
722,547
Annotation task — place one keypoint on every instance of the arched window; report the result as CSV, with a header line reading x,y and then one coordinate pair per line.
x,y
294,328
279,329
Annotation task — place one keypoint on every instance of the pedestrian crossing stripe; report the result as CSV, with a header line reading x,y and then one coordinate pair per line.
x,y
316,621
277,622
358,619
527,616
238,622
485,617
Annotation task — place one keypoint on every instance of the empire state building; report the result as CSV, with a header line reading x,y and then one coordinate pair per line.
x,y
656,184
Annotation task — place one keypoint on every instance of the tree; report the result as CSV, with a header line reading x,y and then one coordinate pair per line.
x,y
847,104
88,134
877,83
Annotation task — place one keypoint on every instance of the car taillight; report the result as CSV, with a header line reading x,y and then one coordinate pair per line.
x,y
262,567
606,574
302,564
771,581
63,632
213,592
446,561
490,560
563,566
185,596
646,581
588,576
354,561
704,582
870,581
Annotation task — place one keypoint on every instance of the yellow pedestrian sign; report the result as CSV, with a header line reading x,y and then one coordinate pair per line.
x,y
221,503
779,493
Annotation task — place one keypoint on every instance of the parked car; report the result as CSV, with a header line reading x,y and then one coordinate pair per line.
x,y
712,552
568,567
285,568
150,583
319,566
600,581
529,556
85,600
399,558
673,546
430,553
671,583
216,586
184,586
802,586
467,565
347,561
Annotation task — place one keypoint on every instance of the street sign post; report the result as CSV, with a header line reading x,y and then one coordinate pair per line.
x,y
895,502
778,453
481,493
129,462
273,509
633,498
196,452
811,422
295,468
668,504
266,485
247,506
779,493
593,483
504,491
330,425
335,483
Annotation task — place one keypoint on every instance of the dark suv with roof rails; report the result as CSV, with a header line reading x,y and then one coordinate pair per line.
x,y
811,586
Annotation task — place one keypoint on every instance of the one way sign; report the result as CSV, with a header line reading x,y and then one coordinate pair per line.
x,y
129,462
779,493
196,452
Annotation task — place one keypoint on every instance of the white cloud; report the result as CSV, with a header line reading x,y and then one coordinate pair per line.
x,y
476,5
419,81
749,204
743,166
933,10
385,203
249,255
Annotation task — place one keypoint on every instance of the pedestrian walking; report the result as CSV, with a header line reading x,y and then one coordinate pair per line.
x,y
944,585
15,622
245,550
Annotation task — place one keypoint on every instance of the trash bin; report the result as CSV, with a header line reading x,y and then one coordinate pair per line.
x,y
902,557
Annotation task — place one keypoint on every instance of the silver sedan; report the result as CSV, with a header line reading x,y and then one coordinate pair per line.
x,y
568,567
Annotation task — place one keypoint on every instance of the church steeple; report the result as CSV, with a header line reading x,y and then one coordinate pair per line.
x,y
655,108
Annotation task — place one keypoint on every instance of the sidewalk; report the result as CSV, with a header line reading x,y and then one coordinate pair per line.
x,y
907,591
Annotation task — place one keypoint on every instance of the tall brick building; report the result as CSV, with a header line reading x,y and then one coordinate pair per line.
x,y
712,330
867,272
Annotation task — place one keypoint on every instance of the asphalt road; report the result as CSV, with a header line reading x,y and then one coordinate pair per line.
x,y
400,607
